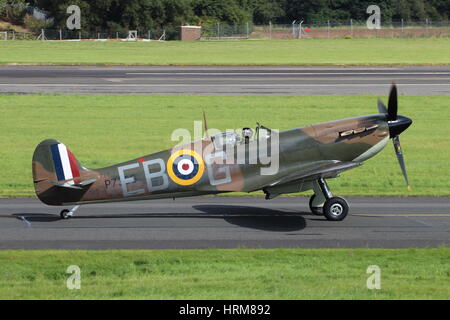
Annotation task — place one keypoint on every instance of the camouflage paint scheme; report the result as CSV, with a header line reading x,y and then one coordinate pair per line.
x,y
305,155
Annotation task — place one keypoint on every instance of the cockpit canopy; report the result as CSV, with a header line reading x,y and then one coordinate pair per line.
x,y
226,138
232,137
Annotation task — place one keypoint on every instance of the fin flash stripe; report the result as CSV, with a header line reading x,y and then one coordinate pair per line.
x,y
66,166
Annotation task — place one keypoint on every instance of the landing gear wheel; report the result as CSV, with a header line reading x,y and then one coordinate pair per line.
x,y
64,214
315,210
335,209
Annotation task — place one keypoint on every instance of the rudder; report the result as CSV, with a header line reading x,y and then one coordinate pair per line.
x,y
52,163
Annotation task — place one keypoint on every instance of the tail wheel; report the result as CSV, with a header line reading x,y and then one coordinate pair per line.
x,y
335,209
315,210
64,214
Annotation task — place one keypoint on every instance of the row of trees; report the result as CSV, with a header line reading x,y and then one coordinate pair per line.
x,y
170,14
322,10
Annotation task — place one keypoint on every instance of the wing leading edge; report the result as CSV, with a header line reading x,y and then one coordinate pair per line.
x,y
301,179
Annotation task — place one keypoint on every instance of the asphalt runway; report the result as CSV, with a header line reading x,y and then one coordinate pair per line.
x,y
225,222
223,80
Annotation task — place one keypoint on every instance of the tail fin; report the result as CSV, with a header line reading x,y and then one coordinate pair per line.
x,y
53,165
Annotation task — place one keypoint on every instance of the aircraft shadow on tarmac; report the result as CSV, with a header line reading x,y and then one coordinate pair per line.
x,y
242,216
255,217
36,217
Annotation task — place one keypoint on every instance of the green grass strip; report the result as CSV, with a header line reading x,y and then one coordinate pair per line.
x,y
383,51
227,274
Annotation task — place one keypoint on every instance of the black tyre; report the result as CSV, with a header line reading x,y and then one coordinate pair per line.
x,y
335,209
64,214
315,210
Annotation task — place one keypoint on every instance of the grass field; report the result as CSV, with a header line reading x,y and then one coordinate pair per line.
x,y
104,130
388,51
227,274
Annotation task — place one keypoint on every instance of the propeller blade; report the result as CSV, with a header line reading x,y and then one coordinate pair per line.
x,y
381,107
401,161
393,104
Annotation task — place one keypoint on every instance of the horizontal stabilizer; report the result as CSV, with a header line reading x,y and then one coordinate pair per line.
x,y
72,185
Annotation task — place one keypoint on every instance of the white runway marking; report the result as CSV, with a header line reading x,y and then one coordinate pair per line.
x,y
288,73
240,85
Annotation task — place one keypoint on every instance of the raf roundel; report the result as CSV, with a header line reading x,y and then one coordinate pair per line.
x,y
185,167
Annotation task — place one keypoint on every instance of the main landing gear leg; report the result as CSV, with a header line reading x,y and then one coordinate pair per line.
x,y
66,213
333,208
317,200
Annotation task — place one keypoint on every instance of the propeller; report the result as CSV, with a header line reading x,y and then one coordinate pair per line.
x,y
401,161
381,107
397,124
393,104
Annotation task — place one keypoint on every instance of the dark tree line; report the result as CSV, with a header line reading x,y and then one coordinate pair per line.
x,y
170,14
320,11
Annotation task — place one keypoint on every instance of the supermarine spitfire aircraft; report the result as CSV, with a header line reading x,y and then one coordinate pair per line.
x,y
306,158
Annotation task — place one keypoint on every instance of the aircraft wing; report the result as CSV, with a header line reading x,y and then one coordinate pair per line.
x,y
320,169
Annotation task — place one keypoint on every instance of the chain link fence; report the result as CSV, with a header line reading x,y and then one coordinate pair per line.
x,y
99,35
222,31
341,29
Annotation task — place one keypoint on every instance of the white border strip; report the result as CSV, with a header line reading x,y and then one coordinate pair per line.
x,y
65,161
